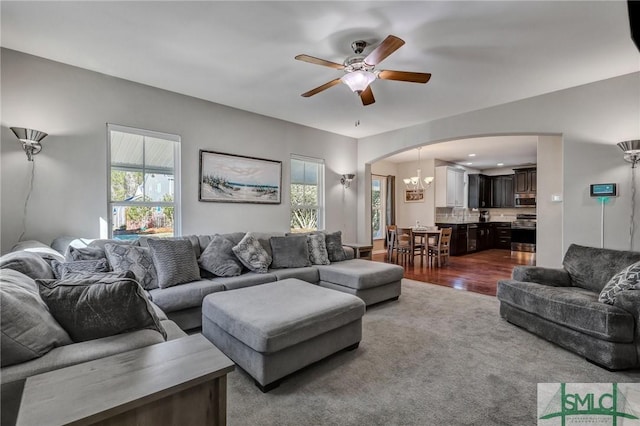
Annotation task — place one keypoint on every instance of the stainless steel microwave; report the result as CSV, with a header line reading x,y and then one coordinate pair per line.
x,y
525,200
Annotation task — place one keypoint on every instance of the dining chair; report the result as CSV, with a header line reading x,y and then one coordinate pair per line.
x,y
419,246
398,243
441,249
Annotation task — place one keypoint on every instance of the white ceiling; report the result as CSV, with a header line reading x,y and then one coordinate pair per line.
x,y
241,54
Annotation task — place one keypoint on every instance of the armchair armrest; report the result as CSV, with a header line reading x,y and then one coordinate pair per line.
x,y
629,300
556,277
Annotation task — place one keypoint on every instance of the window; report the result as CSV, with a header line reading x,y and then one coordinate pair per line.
x,y
307,194
144,183
378,190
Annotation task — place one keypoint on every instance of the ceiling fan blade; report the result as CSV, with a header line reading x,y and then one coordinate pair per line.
x,y
386,48
367,96
318,61
413,77
320,88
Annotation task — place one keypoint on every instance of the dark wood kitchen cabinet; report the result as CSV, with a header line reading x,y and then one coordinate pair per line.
x,y
526,180
502,194
485,236
458,244
479,191
502,235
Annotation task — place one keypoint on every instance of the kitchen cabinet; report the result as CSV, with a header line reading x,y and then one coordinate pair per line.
x,y
449,187
479,191
485,236
502,235
502,193
458,244
526,180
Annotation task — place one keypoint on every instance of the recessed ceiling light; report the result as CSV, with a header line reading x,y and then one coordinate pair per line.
x,y
468,164
472,155
500,164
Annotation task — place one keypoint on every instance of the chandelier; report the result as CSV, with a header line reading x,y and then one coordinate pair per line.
x,y
416,182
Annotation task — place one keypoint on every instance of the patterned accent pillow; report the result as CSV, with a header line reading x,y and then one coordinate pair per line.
x,y
175,261
126,257
88,309
218,258
252,254
627,279
318,249
62,269
84,253
334,246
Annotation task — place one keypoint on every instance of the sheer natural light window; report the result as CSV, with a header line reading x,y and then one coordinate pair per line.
x,y
378,192
307,194
144,183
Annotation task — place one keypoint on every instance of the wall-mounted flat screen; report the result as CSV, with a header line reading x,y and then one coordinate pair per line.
x,y
604,190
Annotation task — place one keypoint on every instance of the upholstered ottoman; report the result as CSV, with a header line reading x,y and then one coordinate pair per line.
x,y
373,282
272,330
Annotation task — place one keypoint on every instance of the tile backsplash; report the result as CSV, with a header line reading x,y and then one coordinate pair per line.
x,y
458,214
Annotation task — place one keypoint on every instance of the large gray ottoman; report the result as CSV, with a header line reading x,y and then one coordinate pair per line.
x,y
373,282
275,329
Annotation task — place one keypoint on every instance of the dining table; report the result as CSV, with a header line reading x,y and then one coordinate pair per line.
x,y
421,235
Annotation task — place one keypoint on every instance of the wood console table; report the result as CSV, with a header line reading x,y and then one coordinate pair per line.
x,y
179,382
361,251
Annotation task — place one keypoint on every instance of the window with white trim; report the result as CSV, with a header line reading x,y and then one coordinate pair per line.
x,y
307,194
144,183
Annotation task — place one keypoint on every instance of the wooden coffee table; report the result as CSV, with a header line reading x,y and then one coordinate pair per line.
x,y
179,382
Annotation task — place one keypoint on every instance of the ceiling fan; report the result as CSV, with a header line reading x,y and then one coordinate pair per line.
x,y
360,70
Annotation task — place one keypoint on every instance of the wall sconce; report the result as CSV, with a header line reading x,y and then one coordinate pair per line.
x,y
30,140
631,151
346,179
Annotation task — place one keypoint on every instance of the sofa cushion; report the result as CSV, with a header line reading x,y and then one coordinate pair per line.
x,y
592,268
274,316
63,269
88,309
334,246
103,242
127,257
28,328
247,279
175,262
84,253
627,279
290,252
184,296
309,274
360,274
193,239
252,254
219,259
572,307
30,264
318,249
39,248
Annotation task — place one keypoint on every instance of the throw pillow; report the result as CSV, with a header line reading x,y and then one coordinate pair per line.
x,y
218,258
334,246
30,264
627,279
318,249
175,261
28,329
252,254
126,257
61,269
91,309
84,253
290,252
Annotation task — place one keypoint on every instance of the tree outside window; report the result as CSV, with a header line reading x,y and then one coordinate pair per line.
x,y
306,194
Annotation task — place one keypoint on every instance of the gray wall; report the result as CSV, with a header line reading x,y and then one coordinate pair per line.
x,y
73,105
591,119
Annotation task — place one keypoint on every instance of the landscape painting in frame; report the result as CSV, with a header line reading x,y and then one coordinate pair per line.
x,y
239,179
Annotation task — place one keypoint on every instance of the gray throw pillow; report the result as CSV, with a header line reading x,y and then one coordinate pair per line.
x,y
334,246
84,253
218,258
62,269
126,257
91,309
175,262
290,252
30,264
28,328
252,254
318,249
627,279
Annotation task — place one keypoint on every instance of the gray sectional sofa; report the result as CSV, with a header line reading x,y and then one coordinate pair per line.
x,y
567,305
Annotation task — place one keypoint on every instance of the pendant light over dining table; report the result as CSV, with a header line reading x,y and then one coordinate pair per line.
x,y
417,182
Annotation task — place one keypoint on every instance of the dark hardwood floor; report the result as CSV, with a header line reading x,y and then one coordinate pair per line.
x,y
477,272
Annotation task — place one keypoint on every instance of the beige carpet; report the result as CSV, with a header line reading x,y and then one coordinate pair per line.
x,y
438,356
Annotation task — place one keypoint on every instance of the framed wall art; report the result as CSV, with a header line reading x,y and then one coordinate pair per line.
x,y
413,195
229,178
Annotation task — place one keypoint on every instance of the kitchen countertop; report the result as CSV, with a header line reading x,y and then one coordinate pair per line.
x,y
467,222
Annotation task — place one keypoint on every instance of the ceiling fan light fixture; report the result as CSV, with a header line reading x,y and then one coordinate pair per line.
x,y
358,80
